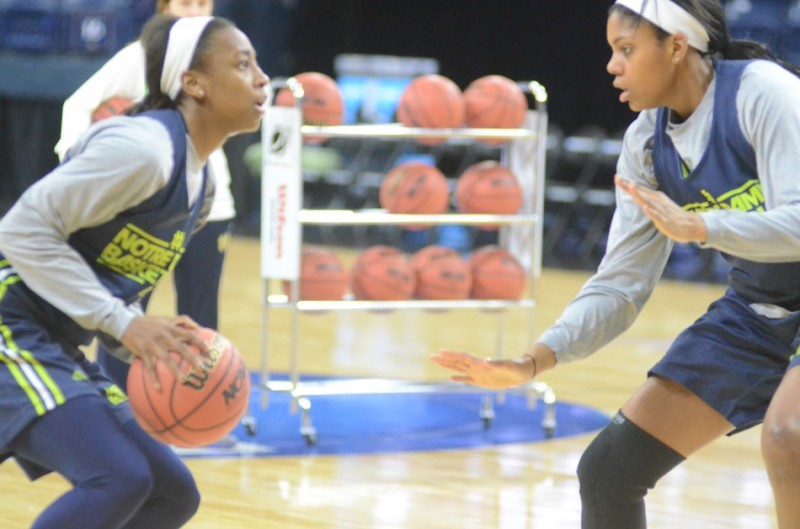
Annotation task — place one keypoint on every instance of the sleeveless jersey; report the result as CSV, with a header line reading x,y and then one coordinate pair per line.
x,y
726,178
133,251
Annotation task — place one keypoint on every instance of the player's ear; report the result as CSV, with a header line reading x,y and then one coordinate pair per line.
x,y
679,46
194,84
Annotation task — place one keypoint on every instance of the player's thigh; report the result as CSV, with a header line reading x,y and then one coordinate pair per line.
x,y
675,416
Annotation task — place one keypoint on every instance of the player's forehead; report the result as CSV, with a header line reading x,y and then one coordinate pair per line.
x,y
231,40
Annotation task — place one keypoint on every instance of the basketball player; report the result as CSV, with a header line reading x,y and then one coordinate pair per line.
x,y
82,245
124,75
713,159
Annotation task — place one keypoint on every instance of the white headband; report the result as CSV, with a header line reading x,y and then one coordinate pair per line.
x,y
181,45
672,18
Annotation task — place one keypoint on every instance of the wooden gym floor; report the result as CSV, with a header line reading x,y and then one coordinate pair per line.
x,y
531,486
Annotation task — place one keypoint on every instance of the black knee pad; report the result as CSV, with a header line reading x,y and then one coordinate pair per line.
x,y
615,472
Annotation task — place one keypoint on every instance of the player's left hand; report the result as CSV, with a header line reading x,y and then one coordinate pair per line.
x,y
670,219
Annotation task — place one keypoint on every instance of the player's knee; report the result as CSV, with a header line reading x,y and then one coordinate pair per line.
x,y
185,498
622,463
602,475
780,440
125,487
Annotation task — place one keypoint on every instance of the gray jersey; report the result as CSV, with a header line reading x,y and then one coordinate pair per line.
x,y
115,165
768,106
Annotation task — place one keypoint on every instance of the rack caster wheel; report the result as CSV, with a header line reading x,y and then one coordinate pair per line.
x,y
487,422
549,432
250,426
311,439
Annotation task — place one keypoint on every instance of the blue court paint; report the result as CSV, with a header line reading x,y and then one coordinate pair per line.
x,y
368,424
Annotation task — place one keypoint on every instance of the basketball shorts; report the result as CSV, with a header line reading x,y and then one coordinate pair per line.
x,y
733,358
38,373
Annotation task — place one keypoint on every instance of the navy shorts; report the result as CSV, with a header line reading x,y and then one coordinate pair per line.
x,y
733,359
38,372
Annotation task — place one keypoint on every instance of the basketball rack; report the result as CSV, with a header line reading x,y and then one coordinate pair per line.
x,y
282,223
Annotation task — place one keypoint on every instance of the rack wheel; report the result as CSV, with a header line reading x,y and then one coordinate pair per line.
x,y
487,422
549,432
311,439
250,425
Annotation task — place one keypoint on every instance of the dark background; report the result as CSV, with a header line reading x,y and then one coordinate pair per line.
x,y
560,43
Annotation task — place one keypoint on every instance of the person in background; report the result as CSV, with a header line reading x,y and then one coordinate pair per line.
x,y
713,158
198,276
82,245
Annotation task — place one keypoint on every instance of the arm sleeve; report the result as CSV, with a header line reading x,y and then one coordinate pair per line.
x,y
768,103
636,254
121,163
123,75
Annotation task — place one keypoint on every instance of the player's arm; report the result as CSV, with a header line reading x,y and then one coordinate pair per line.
x,y
607,304
121,166
769,112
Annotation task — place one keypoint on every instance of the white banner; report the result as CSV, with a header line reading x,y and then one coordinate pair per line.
x,y
281,193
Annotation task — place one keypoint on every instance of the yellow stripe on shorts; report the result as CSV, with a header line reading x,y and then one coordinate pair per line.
x,y
29,374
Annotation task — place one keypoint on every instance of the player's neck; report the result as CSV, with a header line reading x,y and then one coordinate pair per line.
x,y
206,134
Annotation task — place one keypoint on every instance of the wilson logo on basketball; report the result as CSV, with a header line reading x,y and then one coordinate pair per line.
x,y
236,385
197,380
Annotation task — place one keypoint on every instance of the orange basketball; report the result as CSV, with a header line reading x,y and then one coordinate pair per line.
x,y
113,106
322,101
202,409
414,187
494,102
322,275
441,273
431,101
382,273
488,187
496,274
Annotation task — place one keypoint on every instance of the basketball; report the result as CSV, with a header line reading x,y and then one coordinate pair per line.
x,y
489,188
322,101
494,102
113,106
431,101
441,273
322,275
382,273
414,187
202,409
496,274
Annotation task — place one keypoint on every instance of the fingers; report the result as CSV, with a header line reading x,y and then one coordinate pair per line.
x,y
186,322
184,348
152,372
154,339
456,360
638,193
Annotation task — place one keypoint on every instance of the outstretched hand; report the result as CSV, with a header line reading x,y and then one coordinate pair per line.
x,y
152,338
670,219
486,373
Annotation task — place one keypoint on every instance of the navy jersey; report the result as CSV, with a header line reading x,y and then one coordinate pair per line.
x,y
726,178
134,248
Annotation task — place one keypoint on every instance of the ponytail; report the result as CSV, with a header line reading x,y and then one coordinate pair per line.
x,y
747,49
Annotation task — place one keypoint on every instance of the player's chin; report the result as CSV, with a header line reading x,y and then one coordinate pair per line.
x,y
251,121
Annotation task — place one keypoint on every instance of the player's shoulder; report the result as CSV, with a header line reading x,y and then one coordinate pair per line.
x,y
136,140
639,133
767,77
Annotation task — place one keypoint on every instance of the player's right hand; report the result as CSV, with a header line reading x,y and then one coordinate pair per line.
x,y
152,338
485,372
